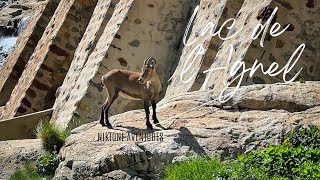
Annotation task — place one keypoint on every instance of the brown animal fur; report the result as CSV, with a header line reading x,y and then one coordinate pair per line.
x,y
144,86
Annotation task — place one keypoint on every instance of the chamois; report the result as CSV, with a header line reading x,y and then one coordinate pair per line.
x,y
144,86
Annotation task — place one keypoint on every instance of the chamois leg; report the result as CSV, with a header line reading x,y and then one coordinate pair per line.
x,y
102,115
112,95
154,115
112,99
106,117
146,108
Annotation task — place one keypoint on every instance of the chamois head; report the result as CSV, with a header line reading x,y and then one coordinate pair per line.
x,y
147,69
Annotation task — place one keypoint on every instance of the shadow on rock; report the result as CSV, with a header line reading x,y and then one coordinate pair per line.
x,y
186,138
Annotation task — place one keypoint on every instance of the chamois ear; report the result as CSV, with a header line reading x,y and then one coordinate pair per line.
x,y
147,61
152,60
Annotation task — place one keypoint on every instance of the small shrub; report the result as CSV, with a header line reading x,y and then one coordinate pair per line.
x,y
51,136
28,172
302,80
297,158
304,137
283,161
47,164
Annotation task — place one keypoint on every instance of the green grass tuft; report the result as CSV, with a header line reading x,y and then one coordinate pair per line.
x,y
51,136
203,168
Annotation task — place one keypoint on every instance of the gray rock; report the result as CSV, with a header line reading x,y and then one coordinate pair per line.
x,y
15,153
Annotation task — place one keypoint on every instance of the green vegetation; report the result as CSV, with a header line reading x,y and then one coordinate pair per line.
x,y
288,162
44,167
204,168
47,164
302,80
307,138
51,136
29,172
297,158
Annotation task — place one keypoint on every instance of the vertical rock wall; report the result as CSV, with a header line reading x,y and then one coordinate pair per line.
x,y
246,19
53,70
231,10
209,11
81,55
151,28
304,19
65,118
50,60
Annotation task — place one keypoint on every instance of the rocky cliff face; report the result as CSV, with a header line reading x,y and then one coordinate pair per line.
x,y
301,15
62,54
63,47
247,123
68,45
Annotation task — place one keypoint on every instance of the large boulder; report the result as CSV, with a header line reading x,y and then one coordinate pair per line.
x,y
189,128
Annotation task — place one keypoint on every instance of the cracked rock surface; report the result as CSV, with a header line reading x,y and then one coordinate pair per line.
x,y
257,116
